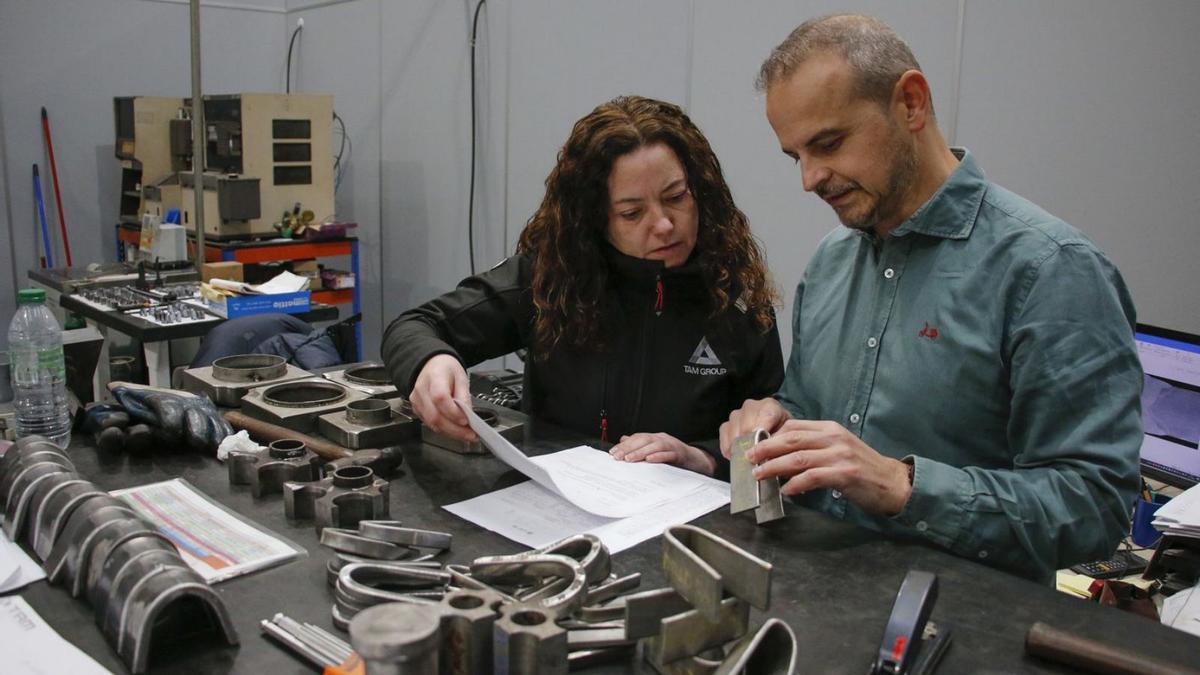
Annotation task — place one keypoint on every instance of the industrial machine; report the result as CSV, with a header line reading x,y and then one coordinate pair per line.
x,y
151,141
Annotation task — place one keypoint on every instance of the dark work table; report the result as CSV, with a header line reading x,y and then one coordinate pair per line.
x,y
833,583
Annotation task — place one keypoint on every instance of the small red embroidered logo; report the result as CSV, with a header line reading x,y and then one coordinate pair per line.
x,y
928,332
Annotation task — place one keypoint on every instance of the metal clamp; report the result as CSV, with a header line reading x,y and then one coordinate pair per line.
x,y
702,566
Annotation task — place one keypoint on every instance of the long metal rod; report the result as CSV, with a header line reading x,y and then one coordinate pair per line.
x,y
197,136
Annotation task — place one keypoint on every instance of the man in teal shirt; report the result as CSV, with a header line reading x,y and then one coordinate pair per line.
x,y
963,368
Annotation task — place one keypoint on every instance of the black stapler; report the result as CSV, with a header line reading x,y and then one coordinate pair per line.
x,y
912,645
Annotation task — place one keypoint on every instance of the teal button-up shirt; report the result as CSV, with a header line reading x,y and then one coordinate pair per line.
x,y
993,343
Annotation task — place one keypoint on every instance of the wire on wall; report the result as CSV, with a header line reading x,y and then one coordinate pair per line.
x,y
291,43
345,150
471,198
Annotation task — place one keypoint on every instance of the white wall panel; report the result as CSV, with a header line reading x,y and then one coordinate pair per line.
x,y
1089,108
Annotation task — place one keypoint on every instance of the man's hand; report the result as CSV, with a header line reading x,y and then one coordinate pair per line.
x,y
767,414
441,382
812,455
663,449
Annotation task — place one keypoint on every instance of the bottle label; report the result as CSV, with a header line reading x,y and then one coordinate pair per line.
x,y
28,365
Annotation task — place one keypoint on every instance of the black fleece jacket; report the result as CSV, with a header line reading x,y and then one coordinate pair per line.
x,y
669,367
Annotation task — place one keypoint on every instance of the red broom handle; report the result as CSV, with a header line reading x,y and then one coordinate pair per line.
x,y
62,218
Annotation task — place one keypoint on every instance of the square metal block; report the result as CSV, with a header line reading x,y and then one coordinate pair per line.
x,y
369,377
510,424
370,423
227,385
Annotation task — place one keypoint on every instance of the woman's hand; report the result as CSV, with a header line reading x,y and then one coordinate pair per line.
x,y
441,382
663,449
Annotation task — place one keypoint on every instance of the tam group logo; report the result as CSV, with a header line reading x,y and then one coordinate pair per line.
x,y
928,331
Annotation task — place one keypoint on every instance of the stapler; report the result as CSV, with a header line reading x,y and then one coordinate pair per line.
x,y
912,644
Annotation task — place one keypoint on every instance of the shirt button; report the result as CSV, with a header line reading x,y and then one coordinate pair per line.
x,y
837,494
889,273
855,418
922,526
871,342
982,555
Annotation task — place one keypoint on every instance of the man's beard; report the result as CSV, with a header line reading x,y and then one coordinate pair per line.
x,y
901,178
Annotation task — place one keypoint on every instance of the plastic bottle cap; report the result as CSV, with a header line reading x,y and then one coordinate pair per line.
x,y
26,295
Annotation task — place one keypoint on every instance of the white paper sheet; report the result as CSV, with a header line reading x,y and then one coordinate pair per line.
x,y
591,479
31,647
1182,611
17,569
535,516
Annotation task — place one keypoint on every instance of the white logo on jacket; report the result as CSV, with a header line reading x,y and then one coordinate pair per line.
x,y
704,361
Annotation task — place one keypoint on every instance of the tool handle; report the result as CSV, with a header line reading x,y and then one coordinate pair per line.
x,y
1092,656
267,432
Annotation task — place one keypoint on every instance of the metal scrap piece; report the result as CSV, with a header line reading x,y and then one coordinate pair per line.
x,y
771,650
645,611
349,495
527,641
701,567
266,470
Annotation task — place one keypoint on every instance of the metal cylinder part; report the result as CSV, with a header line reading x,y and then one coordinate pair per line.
x,y
369,411
526,640
397,638
287,448
249,368
352,477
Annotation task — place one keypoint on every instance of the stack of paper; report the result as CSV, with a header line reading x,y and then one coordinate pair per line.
x,y
17,569
1181,515
586,490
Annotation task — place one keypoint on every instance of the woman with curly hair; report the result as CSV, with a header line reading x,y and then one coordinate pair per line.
x,y
637,288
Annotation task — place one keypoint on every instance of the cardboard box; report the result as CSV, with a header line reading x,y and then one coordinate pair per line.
x,y
310,269
231,270
245,305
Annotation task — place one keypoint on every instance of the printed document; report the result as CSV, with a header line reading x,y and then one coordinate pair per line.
x,y
31,647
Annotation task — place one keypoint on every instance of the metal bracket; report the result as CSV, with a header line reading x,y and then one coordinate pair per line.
x,y
702,566
747,494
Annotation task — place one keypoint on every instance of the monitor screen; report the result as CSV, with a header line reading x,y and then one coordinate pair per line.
x,y
1170,405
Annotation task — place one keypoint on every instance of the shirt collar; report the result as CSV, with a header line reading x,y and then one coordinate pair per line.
x,y
950,213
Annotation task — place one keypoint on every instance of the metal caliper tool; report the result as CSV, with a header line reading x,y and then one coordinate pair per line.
x,y
702,567
747,494
349,495
266,470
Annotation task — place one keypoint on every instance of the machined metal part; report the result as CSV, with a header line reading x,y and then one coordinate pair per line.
x,y
701,567
98,543
585,548
369,423
126,579
535,568
343,499
297,404
746,494
340,560
397,639
341,620
691,632
365,584
598,638
380,460
369,377
610,611
645,611
468,620
160,599
770,650
102,576
266,470
63,562
460,576
526,640
23,447
510,424
228,379
19,473
393,532
587,658
612,588
350,541
704,664
32,487
50,517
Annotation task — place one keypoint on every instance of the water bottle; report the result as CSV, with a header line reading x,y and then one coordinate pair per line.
x,y
39,371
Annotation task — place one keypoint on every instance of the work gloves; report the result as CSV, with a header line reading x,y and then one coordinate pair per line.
x,y
145,418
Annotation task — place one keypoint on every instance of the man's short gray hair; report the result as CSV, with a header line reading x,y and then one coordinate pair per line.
x,y
876,54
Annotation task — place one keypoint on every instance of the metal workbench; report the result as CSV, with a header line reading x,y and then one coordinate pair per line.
x,y
833,583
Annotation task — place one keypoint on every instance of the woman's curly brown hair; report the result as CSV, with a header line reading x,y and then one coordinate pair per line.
x,y
565,237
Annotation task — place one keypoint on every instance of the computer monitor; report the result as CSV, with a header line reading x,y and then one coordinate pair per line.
x,y
1170,405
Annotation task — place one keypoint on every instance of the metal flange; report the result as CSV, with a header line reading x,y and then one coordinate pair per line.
x,y
369,423
266,470
297,404
228,379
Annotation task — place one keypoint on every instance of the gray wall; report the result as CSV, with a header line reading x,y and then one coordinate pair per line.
x,y
1084,106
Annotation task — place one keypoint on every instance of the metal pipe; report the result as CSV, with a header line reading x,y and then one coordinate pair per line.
x,y
198,144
